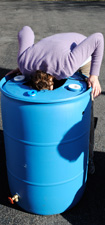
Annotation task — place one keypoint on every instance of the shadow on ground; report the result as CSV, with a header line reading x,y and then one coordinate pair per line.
x,y
103,93
68,5
92,205
4,188
3,72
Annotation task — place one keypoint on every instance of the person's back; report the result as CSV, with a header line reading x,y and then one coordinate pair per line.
x,y
55,56
51,54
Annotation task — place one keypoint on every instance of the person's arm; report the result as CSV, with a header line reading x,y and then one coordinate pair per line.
x,y
94,46
16,72
25,39
93,82
12,74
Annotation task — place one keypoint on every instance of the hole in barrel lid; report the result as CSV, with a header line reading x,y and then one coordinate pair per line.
x,y
33,92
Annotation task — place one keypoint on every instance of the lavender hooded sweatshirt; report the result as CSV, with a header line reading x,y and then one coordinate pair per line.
x,y
60,55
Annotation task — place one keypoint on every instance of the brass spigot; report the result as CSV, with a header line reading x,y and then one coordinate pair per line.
x,y
15,198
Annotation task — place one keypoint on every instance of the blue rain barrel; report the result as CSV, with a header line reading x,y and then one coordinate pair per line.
x,y
46,135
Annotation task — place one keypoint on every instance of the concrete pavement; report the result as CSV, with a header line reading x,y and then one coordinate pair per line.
x,y
46,18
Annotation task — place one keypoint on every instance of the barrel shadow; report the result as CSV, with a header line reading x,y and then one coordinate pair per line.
x,y
4,187
3,72
73,152
90,209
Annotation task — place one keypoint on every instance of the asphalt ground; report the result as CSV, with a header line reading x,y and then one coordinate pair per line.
x,y
47,18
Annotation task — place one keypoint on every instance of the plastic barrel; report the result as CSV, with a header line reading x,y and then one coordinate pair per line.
x,y
46,135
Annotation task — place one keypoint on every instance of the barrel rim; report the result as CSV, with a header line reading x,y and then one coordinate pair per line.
x,y
45,101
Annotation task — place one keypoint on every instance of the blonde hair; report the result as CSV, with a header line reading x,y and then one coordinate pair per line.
x,y
41,80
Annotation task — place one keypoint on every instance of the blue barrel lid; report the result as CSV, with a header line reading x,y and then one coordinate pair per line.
x,y
72,88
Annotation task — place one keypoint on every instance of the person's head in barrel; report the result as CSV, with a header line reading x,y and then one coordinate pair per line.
x,y
41,80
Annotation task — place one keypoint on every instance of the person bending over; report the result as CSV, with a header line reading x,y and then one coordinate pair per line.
x,y
58,57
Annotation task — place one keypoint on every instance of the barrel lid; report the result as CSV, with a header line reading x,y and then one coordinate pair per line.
x,y
15,88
